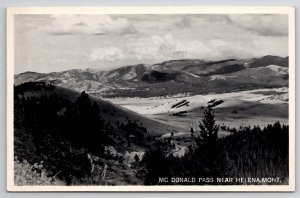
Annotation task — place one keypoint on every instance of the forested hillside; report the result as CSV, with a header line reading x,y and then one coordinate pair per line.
x,y
246,153
63,141
62,135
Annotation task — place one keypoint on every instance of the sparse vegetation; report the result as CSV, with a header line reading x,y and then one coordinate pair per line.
x,y
27,174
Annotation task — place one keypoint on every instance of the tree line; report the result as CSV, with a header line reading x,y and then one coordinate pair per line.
x,y
248,152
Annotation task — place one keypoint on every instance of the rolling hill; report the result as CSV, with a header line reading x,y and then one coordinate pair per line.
x,y
111,113
72,137
192,76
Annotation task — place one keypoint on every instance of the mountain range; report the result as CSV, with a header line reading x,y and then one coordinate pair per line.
x,y
190,76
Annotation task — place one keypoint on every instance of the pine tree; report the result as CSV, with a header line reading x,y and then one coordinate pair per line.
x,y
208,128
207,143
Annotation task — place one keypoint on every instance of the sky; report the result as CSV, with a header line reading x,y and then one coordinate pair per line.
x,y
53,43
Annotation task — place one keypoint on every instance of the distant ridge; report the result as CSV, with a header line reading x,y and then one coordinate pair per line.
x,y
194,76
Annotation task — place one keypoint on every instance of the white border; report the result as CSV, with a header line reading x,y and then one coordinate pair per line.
x,y
151,10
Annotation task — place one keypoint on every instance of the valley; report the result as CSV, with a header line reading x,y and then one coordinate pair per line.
x,y
244,108
123,122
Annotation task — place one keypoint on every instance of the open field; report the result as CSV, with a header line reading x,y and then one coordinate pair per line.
x,y
246,108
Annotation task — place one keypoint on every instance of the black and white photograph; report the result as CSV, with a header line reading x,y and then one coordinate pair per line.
x,y
185,99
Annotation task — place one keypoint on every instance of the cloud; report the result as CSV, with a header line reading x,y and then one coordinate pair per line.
x,y
185,22
266,25
106,54
167,47
196,20
89,24
151,48
107,41
156,47
159,48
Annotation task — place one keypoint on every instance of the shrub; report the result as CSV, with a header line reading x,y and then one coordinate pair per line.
x,y
27,174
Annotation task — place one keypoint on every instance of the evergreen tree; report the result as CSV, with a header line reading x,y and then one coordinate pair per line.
x,y
208,128
208,144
